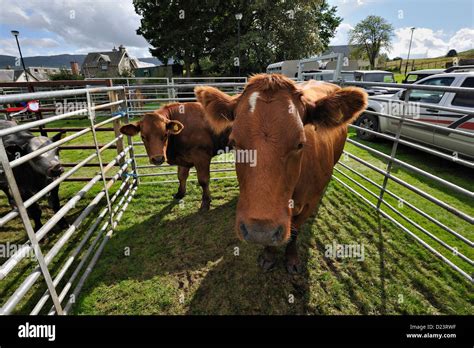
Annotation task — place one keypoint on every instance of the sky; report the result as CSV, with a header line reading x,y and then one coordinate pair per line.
x,y
440,25
50,27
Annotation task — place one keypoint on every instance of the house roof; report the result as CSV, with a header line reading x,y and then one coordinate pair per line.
x,y
113,57
7,75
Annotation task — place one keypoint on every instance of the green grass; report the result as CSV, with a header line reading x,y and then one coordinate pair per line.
x,y
183,261
426,63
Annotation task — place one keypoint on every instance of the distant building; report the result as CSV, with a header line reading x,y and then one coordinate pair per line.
x,y
108,64
7,75
35,73
353,64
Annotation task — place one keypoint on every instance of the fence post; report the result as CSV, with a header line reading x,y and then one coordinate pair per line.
x,y
394,150
99,156
8,172
113,97
130,142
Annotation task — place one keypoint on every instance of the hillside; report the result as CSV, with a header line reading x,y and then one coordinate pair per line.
x,y
426,63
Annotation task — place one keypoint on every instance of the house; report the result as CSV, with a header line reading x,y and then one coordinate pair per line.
x,y
7,75
35,73
108,64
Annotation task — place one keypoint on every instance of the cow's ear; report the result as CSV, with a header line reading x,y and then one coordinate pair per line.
x,y
218,107
57,136
130,129
174,127
339,107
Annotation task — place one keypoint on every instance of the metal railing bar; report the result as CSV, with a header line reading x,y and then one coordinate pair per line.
x,y
190,172
187,85
189,180
421,123
8,265
418,239
15,191
416,190
424,105
96,256
25,286
173,165
413,207
4,99
418,147
26,126
417,170
78,249
99,157
410,86
91,248
429,234
51,146
37,196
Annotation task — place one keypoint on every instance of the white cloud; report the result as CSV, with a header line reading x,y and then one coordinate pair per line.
x,y
86,25
428,43
342,34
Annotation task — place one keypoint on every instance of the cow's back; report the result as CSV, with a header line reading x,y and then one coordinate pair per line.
x,y
196,138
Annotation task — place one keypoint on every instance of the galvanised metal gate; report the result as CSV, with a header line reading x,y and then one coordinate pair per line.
x,y
113,105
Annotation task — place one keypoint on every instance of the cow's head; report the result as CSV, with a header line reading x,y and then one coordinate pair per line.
x,y
269,118
155,129
46,164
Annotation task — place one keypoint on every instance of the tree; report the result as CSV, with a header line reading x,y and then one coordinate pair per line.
x,y
370,36
176,29
452,53
203,34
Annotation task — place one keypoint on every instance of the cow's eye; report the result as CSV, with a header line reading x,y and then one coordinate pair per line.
x,y
300,146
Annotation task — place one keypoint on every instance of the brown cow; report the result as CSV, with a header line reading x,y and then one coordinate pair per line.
x,y
179,134
298,132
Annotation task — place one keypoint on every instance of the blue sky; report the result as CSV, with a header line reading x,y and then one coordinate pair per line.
x,y
440,24
80,26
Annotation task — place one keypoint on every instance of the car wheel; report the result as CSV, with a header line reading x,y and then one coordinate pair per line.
x,y
370,122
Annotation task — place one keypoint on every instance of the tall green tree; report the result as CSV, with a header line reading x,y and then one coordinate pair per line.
x,y
204,33
371,35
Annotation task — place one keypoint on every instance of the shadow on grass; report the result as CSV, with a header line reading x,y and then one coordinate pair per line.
x,y
208,267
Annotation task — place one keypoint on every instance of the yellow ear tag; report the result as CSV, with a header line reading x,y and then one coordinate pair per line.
x,y
175,128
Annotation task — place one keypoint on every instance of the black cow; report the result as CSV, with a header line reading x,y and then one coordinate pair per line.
x,y
35,174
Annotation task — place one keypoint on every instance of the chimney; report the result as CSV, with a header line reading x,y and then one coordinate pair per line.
x,y
121,48
75,68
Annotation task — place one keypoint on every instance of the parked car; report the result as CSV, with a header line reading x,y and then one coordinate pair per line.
x,y
417,75
453,143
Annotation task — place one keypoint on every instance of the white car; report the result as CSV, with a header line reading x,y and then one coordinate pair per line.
x,y
456,144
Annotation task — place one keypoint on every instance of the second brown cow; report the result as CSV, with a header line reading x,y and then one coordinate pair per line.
x,y
179,134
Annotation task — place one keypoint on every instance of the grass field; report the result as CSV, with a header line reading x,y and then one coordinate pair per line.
x,y
425,63
168,257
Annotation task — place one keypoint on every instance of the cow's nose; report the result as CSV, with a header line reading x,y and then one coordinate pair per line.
x,y
55,170
157,160
262,233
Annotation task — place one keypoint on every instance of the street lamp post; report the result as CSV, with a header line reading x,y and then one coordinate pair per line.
x,y
238,16
409,49
15,33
